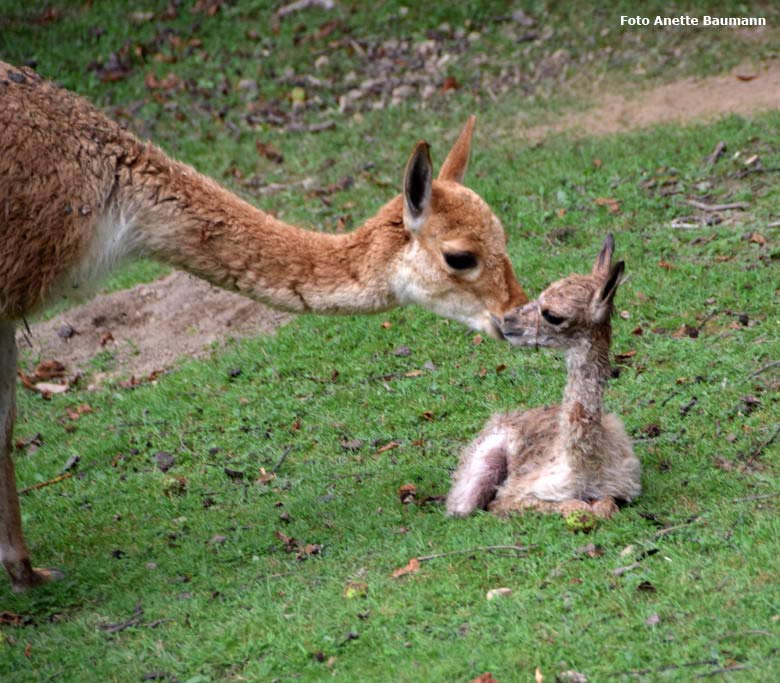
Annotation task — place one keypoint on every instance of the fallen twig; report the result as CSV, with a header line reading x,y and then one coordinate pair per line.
x,y
281,460
302,5
723,670
717,207
666,667
520,549
43,484
762,496
684,224
157,622
758,450
717,153
138,613
671,529
295,127
763,369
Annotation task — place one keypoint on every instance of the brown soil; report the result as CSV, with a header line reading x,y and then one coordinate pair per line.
x,y
151,326
178,316
685,101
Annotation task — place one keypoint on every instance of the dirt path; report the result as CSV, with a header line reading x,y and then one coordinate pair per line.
x,y
746,90
155,324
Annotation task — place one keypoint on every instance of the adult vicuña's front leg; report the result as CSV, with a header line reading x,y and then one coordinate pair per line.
x,y
13,551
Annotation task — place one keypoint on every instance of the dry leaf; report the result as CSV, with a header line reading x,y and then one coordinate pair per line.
x,y
685,331
270,152
450,83
388,447
49,369
49,388
265,477
757,238
613,205
169,82
412,566
78,411
406,493
486,677
494,593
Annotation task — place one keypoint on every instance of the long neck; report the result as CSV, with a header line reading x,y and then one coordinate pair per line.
x,y
580,427
189,221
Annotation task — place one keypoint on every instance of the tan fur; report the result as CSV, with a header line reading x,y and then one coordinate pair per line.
x,y
78,194
561,458
72,181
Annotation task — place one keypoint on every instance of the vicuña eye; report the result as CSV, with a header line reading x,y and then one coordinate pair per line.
x,y
460,260
552,318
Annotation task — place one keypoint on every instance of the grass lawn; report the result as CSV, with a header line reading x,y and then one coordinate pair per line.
x,y
218,571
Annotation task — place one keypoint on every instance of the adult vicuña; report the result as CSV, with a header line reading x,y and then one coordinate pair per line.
x,y
562,458
79,194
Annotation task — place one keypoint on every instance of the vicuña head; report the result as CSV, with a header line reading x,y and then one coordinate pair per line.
x,y
455,263
570,311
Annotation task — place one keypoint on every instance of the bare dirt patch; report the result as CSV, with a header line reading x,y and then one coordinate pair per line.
x,y
148,328
747,90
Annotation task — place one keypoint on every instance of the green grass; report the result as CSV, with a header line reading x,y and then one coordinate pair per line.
x,y
703,597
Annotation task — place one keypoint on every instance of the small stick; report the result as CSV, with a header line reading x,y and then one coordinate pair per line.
x,y
708,317
666,667
42,484
671,529
282,459
763,496
763,369
723,670
682,224
717,153
486,548
716,207
762,447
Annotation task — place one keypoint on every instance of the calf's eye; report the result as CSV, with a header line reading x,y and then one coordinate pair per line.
x,y
552,318
460,260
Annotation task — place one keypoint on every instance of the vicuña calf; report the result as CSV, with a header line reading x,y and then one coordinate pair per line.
x,y
567,457
78,194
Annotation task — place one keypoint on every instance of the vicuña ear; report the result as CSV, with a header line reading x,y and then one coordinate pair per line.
x,y
604,259
602,304
454,166
417,187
